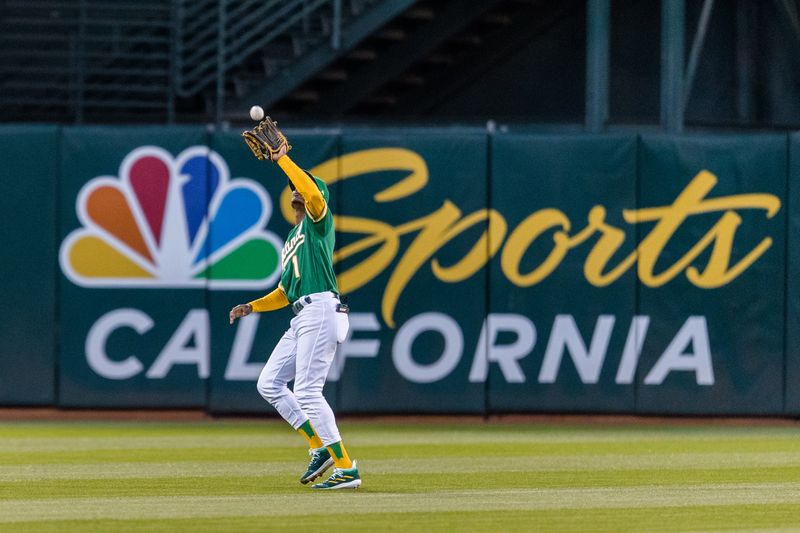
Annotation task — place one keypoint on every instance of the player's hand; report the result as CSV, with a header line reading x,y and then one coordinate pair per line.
x,y
239,311
279,153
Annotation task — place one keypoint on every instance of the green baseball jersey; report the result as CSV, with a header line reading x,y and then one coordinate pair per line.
x,y
307,258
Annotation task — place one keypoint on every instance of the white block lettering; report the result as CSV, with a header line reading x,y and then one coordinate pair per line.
x,y
507,356
176,352
96,354
565,336
453,347
694,332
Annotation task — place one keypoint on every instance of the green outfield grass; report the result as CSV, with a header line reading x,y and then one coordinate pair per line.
x,y
239,476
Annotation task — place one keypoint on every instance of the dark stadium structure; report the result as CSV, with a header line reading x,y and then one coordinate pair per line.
x,y
592,63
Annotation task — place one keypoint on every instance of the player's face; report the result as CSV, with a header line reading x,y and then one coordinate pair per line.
x,y
297,199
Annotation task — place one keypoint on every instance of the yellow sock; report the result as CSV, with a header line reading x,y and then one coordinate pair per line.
x,y
307,431
339,454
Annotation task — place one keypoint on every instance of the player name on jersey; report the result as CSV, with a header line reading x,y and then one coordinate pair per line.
x,y
291,247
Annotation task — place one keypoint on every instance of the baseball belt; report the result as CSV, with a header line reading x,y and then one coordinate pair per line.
x,y
303,301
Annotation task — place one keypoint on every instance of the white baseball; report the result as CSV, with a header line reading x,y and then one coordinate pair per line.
x,y
256,112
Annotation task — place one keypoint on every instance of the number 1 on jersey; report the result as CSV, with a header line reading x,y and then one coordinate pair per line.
x,y
296,267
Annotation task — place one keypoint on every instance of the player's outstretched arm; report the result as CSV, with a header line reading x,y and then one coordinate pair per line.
x,y
315,203
274,300
266,141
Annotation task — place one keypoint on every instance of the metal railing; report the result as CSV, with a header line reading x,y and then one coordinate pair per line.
x,y
96,55
216,36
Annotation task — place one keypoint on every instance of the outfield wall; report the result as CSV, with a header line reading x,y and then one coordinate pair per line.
x,y
487,271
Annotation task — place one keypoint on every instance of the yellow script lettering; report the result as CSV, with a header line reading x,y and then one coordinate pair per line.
x,y
437,229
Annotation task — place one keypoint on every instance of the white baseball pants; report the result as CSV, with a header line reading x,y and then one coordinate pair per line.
x,y
305,354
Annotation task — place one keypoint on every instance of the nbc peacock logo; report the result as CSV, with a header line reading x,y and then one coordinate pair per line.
x,y
172,222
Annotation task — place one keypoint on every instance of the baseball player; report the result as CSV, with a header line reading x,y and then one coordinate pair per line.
x,y
305,352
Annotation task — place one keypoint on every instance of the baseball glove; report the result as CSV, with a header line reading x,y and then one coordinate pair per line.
x,y
266,140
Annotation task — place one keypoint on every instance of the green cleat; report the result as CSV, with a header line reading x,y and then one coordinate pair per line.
x,y
342,478
321,460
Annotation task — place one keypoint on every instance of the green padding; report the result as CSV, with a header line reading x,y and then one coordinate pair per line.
x,y
793,282
486,272
27,272
129,342
417,203
715,342
561,329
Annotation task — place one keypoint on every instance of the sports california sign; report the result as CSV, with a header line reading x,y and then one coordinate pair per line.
x,y
452,288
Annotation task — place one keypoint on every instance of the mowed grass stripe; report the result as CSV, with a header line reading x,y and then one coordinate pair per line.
x,y
388,483
746,518
138,442
365,502
56,436
442,465
463,448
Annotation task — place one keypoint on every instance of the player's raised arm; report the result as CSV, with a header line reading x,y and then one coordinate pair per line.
x,y
315,202
272,301
266,141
